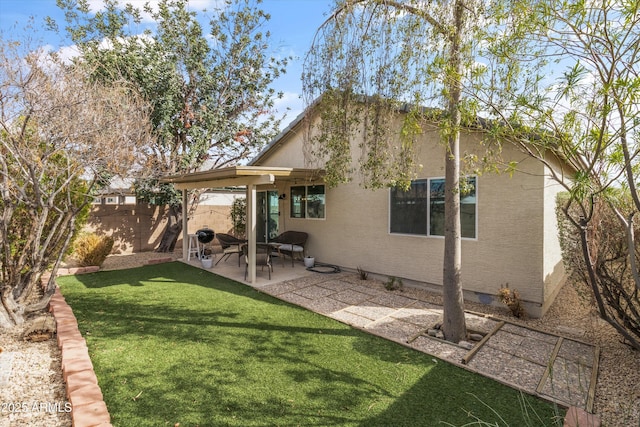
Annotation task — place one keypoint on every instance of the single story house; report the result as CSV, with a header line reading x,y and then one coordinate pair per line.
x,y
509,226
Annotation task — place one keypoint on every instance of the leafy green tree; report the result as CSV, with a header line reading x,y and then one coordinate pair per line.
x,y
60,135
210,91
439,62
590,116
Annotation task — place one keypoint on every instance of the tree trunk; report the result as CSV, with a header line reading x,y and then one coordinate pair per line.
x,y
14,309
5,320
453,323
11,313
172,230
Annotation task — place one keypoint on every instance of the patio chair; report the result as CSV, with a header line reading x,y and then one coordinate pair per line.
x,y
230,245
263,258
290,243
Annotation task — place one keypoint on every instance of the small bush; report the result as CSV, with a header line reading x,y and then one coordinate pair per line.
x,y
91,249
362,274
393,284
239,216
511,298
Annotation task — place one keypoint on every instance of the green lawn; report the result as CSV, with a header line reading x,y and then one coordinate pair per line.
x,y
173,344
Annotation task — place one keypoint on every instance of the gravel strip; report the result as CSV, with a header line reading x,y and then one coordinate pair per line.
x,y
617,397
34,395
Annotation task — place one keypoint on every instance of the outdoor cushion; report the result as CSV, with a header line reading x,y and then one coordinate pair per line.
x,y
290,243
290,248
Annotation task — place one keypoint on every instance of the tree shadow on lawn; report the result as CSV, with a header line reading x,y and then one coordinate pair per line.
x,y
216,352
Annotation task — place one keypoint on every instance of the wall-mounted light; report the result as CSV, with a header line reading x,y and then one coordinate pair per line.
x,y
282,197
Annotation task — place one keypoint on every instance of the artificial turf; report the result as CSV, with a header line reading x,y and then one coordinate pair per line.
x,y
171,343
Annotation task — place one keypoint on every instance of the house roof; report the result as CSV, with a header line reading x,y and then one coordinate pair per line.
x,y
479,123
240,176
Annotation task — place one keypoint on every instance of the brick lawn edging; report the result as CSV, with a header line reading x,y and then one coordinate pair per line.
x,y
578,417
87,404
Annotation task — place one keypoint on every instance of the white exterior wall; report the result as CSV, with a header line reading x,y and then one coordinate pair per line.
x,y
554,271
516,240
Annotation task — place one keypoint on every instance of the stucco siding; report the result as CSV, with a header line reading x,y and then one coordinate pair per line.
x,y
554,271
509,247
288,152
515,245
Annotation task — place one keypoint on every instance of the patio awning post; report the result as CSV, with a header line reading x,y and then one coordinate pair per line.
x,y
251,231
185,231
249,176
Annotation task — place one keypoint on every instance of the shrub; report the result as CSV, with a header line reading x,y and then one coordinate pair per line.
x,y
393,284
511,298
239,216
597,250
363,275
91,249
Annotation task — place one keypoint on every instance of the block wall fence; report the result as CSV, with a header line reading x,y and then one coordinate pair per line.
x,y
139,228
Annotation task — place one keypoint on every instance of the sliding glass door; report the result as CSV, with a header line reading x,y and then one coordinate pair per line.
x,y
267,215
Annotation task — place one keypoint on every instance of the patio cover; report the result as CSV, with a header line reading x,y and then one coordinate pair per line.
x,y
238,176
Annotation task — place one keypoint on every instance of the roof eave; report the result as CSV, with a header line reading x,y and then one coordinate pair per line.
x,y
240,176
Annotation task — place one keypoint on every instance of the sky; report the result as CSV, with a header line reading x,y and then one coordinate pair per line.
x,y
293,24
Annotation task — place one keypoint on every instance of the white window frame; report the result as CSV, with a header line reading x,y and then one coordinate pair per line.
x,y
130,200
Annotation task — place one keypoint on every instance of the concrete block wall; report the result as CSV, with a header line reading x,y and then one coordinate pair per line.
x,y
139,228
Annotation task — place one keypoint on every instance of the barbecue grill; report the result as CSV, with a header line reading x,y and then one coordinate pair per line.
x,y
205,235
